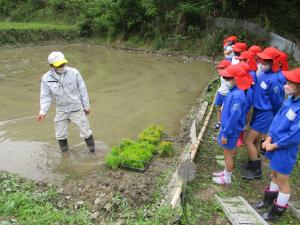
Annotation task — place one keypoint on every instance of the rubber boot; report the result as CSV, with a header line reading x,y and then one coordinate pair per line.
x,y
90,143
254,172
275,213
245,165
269,197
63,145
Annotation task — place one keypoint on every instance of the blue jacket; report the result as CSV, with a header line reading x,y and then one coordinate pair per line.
x,y
233,117
250,91
285,128
268,92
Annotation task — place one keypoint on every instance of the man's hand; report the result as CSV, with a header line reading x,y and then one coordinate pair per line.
x,y
271,147
87,111
224,141
40,117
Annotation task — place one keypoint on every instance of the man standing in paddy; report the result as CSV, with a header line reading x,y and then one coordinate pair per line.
x,y
69,92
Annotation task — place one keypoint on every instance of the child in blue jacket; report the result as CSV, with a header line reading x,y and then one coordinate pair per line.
x,y
233,117
282,147
222,91
268,97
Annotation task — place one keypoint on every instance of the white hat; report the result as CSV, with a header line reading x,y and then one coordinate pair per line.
x,y
56,59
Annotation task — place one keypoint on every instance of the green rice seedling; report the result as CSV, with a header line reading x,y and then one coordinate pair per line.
x,y
115,151
113,161
166,148
152,134
126,142
136,154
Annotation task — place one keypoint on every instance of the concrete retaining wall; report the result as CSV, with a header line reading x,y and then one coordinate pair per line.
x,y
275,40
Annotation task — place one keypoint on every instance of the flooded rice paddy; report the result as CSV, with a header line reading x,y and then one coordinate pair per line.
x,y
128,91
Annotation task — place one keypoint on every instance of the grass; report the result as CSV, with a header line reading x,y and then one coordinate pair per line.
x,y
25,202
34,26
21,33
152,213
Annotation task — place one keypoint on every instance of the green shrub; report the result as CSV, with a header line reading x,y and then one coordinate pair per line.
x,y
166,148
152,134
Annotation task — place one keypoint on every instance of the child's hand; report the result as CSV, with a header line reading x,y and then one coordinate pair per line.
x,y
267,141
271,147
224,141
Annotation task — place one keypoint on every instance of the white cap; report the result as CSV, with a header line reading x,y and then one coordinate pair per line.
x,y
56,59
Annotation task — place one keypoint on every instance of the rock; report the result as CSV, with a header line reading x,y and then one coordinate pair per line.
x,y
102,195
120,222
97,201
60,204
67,197
95,215
78,205
108,207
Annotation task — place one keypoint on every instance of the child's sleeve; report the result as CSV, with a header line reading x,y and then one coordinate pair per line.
x,y
292,137
276,94
236,112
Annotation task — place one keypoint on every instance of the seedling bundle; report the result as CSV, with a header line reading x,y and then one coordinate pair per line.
x,y
136,154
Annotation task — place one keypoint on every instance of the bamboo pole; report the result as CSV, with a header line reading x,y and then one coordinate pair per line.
x,y
177,194
193,151
203,129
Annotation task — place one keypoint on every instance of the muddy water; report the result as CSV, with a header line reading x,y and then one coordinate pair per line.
x,y
128,91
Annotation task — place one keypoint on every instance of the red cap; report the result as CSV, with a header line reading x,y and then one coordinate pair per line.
x,y
283,59
271,53
231,38
250,59
255,49
239,47
245,66
223,64
292,75
242,78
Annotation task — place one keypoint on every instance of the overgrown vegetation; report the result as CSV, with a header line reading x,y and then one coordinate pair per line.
x,y
25,202
169,22
133,154
14,32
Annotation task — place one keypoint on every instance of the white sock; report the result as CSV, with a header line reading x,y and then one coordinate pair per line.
x,y
227,176
273,187
283,199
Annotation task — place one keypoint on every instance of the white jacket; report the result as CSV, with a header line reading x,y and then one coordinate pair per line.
x,y
67,89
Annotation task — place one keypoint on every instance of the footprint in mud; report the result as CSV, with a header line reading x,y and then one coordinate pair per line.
x,y
80,155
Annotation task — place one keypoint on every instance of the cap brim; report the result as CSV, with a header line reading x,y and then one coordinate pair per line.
x,y
263,56
244,82
224,73
241,57
59,63
236,49
289,75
